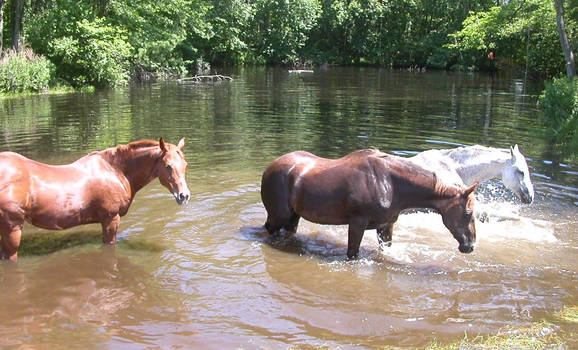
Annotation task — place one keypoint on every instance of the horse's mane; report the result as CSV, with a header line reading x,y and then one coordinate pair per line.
x,y
137,144
121,152
417,175
472,150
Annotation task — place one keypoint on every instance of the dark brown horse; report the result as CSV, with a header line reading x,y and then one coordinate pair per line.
x,y
97,188
366,189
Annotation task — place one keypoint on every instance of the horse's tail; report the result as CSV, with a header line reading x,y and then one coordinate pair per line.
x,y
275,194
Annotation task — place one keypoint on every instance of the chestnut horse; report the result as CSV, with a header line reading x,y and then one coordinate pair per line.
x,y
366,189
97,188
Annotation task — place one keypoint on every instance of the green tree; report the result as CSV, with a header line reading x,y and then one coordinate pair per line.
x,y
396,32
568,52
155,30
521,33
2,3
559,102
17,12
280,29
86,49
228,31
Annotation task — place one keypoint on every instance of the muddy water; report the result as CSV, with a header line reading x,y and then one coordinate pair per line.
x,y
206,276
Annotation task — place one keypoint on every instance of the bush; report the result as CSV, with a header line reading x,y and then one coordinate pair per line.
x,y
24,71
94,54
559,103
87,50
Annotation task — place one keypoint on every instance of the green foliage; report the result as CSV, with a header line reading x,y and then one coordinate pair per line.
x,y
24,71
281,28
559,102
227,34
368,30
568,314
87,50
395,33
98,42
156,30
539,335
519,32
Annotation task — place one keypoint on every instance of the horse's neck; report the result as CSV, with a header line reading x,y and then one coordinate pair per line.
x,y
138,165
416,187
480,165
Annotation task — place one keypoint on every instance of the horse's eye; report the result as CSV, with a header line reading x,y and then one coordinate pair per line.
x,y
169,168
468,215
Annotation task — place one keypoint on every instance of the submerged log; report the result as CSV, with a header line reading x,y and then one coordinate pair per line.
x,y
205,78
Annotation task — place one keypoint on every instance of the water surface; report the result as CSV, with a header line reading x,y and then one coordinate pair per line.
x,y
207,276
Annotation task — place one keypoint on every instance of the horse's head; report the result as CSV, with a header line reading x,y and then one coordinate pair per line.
x,y
172,169
457,213
516,176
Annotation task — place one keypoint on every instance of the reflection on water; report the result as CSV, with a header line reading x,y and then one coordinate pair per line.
x,y
207,276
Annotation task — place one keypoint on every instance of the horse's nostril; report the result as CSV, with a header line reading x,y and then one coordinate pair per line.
x,y
183,197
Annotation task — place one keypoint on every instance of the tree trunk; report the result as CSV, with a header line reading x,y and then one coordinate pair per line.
x,y
568,54
2,3
18,13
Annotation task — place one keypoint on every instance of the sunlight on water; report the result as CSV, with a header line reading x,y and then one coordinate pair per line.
x,y
421,237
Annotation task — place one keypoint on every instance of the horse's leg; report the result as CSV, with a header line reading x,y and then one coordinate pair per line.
x,y
355,234
293,223
272,226
10,241
384,234
109,228
278,218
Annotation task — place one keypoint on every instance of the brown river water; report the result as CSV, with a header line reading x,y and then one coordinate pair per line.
x,y
206,276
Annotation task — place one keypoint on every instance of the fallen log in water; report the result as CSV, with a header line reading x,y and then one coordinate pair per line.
x,y
205,78
299,71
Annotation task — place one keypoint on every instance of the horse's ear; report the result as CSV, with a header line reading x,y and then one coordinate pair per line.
x,y
181,144
162,144
514,151
471,189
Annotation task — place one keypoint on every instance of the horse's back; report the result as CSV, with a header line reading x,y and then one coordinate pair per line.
x,y
58,196
13,168
299,165
314,187
438,162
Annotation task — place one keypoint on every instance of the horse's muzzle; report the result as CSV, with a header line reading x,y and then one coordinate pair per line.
x,y
182,197
465,248
526,198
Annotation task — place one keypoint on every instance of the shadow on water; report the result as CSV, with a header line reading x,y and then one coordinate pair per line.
x,y
43,243
325,246
283,242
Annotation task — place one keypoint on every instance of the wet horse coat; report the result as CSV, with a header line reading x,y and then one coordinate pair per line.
x,y
97,188
366,189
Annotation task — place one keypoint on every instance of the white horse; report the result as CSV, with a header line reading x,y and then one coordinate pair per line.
x,y
472,164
